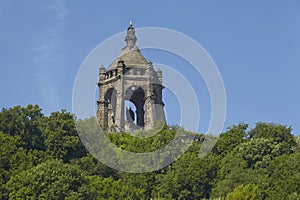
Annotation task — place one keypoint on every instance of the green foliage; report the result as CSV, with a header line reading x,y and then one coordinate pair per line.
x,y
24,123
61,138
108,188
190,177
278,133
42,157
8,147
27,138
144,144
250,162
283,177
245,192
230,139
93,167
49,180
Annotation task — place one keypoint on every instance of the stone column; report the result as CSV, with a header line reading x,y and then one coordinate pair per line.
x,y
149,108
140,114
119,115
101,114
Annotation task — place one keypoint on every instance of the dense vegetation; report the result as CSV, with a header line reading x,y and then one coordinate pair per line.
x,y
42,157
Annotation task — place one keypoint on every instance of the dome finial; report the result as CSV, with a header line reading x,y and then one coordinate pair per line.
x,y
130,37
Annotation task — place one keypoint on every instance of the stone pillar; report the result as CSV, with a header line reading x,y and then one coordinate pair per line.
x,y
140,114
149,108
101,114
119,115
159,75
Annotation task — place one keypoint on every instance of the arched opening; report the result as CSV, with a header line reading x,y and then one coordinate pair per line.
x,y
134,106
130,112
110,99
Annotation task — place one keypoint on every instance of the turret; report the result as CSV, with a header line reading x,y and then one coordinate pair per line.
x,y
159,74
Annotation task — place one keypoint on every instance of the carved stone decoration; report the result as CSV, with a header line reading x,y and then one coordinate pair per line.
x,y
130,78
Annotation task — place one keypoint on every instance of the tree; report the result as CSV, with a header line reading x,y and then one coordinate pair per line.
x,y
190,177
93,167
251,161
8,147
108,188
276,132
61,138
50,180
25,123
283,177
230,139
42,157
245,192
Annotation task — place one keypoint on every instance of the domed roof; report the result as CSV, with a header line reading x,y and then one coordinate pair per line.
x,y
130,54
131,58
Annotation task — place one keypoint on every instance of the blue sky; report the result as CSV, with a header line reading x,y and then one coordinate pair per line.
x,y
255,44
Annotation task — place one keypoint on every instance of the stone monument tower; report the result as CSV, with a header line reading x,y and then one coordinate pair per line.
x,y
130,80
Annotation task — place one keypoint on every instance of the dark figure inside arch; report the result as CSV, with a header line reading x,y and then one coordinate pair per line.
x,y
130,115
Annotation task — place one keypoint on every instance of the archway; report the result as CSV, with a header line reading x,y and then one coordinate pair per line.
x,y
135,97
110,99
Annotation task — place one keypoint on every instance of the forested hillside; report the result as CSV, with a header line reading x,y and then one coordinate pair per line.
x,y
42,157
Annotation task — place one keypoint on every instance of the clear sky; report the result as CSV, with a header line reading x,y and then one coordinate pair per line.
x,y
255,44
